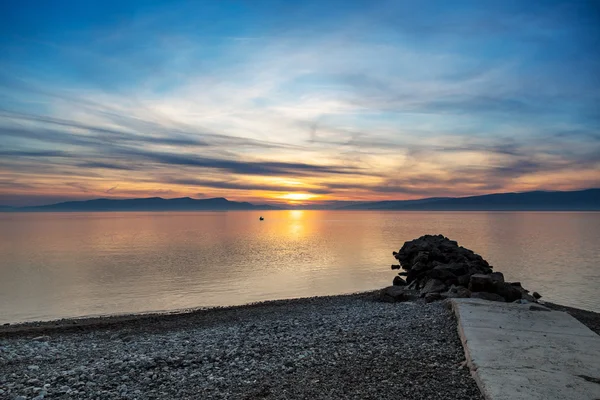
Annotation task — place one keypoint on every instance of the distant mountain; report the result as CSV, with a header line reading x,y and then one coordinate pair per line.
x,y
581,200
149,204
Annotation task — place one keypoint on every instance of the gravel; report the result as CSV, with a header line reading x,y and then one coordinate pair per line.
x,y
341,347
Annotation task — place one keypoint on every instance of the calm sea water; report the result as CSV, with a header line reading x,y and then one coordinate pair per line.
x,y
55,265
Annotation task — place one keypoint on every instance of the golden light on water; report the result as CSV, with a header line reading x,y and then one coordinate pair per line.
x,y
296,214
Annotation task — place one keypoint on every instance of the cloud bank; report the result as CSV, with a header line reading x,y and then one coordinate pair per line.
x,y
254,102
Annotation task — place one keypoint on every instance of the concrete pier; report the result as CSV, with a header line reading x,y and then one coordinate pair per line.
x,y
524,351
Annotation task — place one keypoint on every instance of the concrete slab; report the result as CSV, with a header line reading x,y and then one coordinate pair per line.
x,y
517,353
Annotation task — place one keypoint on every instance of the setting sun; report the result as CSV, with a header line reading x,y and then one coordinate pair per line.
x,y
298,196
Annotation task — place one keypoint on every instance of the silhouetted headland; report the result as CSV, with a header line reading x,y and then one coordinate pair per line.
x,y
579,200
149,204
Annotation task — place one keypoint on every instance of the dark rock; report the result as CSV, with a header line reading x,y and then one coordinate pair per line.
x,y
433,286
449,295
422,257
420,266
448,271
399,281
464,280
524,292
497,277
536,295
440,258
442,274
528,297
430,297
432,263
393,294
457,295
487,296
395,266
463,291
411,276
508,291
457,292
456,268
481,283
415,248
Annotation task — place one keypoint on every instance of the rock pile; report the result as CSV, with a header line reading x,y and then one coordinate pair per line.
x,y
436,267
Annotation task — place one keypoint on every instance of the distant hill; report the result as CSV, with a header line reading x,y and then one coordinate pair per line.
x,y
148,204
581,200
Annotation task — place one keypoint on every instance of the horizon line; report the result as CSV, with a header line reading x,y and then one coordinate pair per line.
x,y
297,204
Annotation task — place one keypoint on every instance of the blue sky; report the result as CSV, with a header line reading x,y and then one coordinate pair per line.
x,y
284,101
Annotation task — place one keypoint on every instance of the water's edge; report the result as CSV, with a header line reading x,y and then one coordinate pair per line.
x,y
145,319
92,322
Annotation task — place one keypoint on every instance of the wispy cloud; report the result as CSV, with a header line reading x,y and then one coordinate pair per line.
x,y
112,189
453,100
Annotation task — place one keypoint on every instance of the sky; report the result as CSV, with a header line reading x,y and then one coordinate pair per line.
x,y
297,102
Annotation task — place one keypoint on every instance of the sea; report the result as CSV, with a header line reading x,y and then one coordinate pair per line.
x,y
61,265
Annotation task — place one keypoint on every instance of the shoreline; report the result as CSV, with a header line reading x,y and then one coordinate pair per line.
x,y
312,347
590,319
161,319
286,349
171,319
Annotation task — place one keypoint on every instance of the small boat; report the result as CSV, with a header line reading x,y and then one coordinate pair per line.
x,y
261,218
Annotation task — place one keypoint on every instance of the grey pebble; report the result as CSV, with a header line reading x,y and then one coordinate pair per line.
x,y
341,347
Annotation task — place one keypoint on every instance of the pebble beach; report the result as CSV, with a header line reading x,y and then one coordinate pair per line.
x,y
340,347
